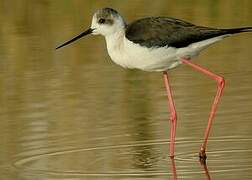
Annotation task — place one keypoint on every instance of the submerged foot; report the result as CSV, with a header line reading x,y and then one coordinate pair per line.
x,y
172,157
202,156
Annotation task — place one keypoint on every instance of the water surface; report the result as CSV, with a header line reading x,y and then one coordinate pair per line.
x,y
73,114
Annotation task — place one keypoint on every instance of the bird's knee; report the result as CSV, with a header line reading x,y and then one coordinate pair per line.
x,y
173,117
221,82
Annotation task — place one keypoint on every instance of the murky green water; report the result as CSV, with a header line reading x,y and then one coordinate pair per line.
x,y
73,114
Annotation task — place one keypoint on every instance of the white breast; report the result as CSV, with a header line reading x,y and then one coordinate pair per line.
x,y
130,55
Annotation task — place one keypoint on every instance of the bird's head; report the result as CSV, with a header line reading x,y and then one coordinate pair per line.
x,y
105,22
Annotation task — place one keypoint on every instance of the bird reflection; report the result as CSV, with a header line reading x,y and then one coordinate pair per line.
x,y
174,170
204,165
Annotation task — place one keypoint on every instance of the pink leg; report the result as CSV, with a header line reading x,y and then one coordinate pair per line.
x,y
220,86
173,114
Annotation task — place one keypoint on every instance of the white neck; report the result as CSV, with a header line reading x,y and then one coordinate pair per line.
x,y
116,47
115,41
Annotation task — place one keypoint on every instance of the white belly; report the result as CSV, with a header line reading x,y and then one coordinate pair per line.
x,y
130,55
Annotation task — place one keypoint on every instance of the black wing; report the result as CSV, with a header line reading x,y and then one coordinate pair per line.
x,y
164,31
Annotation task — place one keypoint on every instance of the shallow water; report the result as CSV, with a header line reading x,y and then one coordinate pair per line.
x,y
73,114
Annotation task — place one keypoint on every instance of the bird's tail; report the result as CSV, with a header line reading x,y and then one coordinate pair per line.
x,y
238,30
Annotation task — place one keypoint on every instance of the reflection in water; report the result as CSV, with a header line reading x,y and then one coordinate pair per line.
x,y
174,171
204,165
75,115
138,107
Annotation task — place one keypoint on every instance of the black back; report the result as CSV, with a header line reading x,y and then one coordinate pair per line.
x,y
164,31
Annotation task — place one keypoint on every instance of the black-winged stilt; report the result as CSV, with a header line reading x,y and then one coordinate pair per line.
x,y
159,44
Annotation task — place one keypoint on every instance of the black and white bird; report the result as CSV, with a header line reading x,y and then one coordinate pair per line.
x,y
159,44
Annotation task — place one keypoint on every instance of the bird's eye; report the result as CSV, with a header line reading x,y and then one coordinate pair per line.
x,y
101,21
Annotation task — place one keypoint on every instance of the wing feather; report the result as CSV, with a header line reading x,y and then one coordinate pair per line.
x,y
164,31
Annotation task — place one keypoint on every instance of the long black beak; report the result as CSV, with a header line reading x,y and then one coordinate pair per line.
x,y
89,31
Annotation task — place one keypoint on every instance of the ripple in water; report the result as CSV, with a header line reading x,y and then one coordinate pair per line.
x,y
143,159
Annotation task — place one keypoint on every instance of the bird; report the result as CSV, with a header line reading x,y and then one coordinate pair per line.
x,y
158,44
